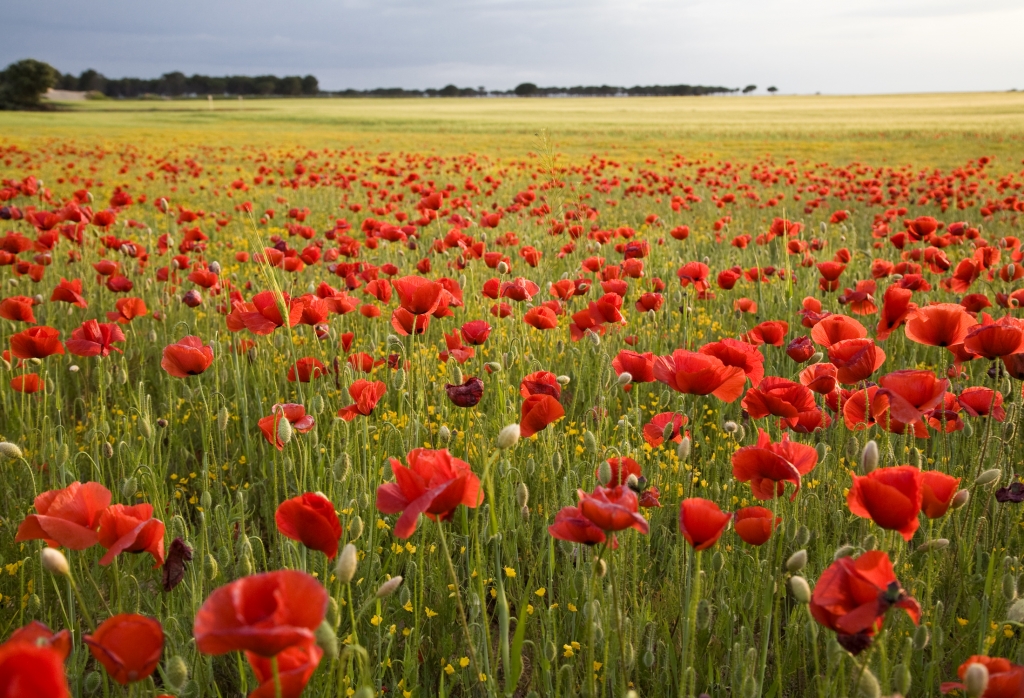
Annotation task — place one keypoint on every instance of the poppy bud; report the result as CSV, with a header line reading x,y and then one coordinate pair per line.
x,y
129,487
284,431
222,418
600,568
502,268
918,456
398,380
108,449
73,368
791,529
683,449
93,681
703,614
959,499
34,603
717,562
550,651
206,500
54,562
388,588
976,679
594,337
800,589
921,638
803,536
749,687
355,527
176,672
162,423
327,640
822,450
1016,612
867,685
869,457
624,379
493,366
210,567
988,477
145,428
843,551
563,380
444,435
522,494
508,437
852,448
648,658
10,450
364,692
590,443
869,542
604,472
933,545
347,562
797,561
1009,586
730,427
342,466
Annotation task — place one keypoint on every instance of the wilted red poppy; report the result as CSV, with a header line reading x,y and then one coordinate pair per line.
x,y
187,357
476,332
1005,679
571,525
435,483
17,309
982,402
612,508
937,490
665,426
538,411
855,359
366,395
768,466
700,374
733,352
800,349
853,595
127,310
418,295
940,325
95,339
702,522
68,517
466,395
295,666
1000,338
891,497
836,328
131,529
908,394
39,634
28,670
311,520
262,613
540,383
295,414
128,646
779,397
306,369
755,524
639,366
36,343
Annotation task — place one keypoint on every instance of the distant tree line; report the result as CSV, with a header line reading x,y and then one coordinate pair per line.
x,y
178,84
528,89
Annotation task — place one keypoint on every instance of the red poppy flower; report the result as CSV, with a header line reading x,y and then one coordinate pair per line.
x,y
306,369
695,273
435,483
263,613
612,508
779,397
891,497
540,383
820,378
39,634
621,469
908,394
418,295
541,317
406,323
36,343
187,357
295,666
937,490
571,525
476,332
896,307
68,517
1003,337
296,414
27,383
665,426
733,352
456,349
700,374
771,332
538,411
639,366
940,325
310,519
366,395
17,309
95,339
466,395
1005,679
853,595
28,671
518,290
648,302
263,315
128,646
131,529
701,522
855,359
69,292
981,402
127,310
836,328
768,466
754,524
800,349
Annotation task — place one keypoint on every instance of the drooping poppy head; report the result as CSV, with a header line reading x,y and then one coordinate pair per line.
x,y
891,497
702,522
311,520
262,613
466,395
755,524
186,357
128,646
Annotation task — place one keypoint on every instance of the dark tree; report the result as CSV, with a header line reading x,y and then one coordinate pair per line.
x,y
310,85
90,80
525,89
448,91
22,84
773,89
749,88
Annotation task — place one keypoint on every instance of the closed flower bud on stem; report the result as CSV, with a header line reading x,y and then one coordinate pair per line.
x,y
54,562
800,589
624,379
388,588
797,561
347,563
522,495
683,449
563,380
869,457
508,437
960,499
988,477
9,450
976,680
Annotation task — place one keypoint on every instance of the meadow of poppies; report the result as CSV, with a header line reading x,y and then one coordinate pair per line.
x,y
286,421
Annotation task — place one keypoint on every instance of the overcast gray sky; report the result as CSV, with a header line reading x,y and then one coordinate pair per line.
x,y
802,46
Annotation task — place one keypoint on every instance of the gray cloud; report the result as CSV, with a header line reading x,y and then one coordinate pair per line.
x,y
800,45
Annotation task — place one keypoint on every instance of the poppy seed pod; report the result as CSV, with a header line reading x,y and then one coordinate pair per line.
x,y
176,672
54,562
797,561
388,588
327,640
348,560
869,457
522,495
976,679
508,437
800,589
988,477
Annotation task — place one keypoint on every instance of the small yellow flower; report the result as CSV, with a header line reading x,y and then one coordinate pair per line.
x,y
375,621
408,606
568,651
449,669
572,607
483,677
597,666
961,621
464,662
541,591
510,572
430,614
